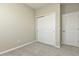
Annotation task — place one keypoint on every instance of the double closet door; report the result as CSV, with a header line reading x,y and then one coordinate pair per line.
x,y
45,26
70,29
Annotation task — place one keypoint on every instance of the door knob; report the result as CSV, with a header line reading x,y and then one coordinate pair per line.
x,y
63,30
77,28
53,31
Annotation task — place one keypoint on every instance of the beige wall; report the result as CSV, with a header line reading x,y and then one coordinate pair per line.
x,y
48,10
69,7
16,25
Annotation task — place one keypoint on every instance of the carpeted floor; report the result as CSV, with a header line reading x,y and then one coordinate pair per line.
x,y
39,49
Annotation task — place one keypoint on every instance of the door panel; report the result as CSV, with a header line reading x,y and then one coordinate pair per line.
x,y
70,29
46,29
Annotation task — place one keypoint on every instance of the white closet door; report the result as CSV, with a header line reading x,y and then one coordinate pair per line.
x,y
70,29
46,29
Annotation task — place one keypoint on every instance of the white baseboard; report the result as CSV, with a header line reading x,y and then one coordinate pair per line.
x,y
17,47
49,44
70,44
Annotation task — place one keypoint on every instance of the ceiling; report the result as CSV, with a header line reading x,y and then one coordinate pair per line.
x,y
37,5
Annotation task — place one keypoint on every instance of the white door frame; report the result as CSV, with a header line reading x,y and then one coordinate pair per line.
x,y
37,30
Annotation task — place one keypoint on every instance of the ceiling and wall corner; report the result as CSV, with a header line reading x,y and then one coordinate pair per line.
x,y
36,6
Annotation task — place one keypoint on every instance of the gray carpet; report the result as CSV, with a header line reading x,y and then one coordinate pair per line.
x,y
39,49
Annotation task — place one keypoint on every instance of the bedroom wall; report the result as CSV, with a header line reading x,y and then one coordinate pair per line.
x,y
69,7
16,25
